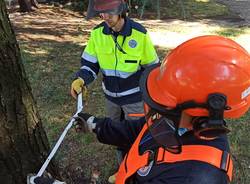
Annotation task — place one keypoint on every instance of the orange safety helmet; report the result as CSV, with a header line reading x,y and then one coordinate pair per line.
x,y
197,68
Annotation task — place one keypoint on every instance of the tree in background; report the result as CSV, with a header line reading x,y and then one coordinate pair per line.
x,y
140,6
26,5
23,142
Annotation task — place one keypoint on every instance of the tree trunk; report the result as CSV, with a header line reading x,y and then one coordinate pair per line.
x,y
24,5
158,9
34,3
23,142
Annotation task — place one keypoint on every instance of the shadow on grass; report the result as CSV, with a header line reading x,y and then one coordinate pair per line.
x,y
240,146
50,63
50,67
185,10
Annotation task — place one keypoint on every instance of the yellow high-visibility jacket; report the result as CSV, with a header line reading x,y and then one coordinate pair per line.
x,y
121,57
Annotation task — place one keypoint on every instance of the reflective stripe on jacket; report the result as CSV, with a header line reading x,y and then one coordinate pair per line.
x,y
121,63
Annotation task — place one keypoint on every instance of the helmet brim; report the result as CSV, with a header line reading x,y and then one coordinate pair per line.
x,y
94,12
150,90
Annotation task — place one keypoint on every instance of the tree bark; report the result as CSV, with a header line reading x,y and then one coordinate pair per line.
x,y
23,142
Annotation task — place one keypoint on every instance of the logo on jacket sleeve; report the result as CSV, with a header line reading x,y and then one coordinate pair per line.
x,y
144,171
132,43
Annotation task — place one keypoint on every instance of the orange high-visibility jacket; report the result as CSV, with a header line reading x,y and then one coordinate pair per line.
x,y
133,161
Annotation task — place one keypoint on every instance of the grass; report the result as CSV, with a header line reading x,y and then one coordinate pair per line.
x,y
50,75
195,9
239,142
233,32
188,9
50,63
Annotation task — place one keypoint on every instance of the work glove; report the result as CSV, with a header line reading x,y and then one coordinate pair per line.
x,y
78,86
84,122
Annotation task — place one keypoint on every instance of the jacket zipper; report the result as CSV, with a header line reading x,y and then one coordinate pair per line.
x,y
116,63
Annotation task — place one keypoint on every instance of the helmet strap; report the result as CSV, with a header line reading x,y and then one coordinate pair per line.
x,y
208,127
164,131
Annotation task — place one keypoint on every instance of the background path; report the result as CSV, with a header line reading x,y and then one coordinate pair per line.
x,y
174,34
240,7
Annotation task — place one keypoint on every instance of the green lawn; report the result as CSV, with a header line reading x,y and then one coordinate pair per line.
x,y
50,65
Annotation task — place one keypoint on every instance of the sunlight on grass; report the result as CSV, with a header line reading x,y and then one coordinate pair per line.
x,y
203,1
170,38
239,34
37,52
52,57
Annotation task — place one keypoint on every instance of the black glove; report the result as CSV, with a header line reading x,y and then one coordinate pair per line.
x,y
84,122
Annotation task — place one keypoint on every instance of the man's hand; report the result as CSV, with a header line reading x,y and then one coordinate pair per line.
x,y
84,122
77,87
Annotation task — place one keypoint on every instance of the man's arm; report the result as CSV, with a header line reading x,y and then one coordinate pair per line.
x,y
89,63
149,56
121,134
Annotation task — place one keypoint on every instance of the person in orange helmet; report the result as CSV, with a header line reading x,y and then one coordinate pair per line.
x,y
199,84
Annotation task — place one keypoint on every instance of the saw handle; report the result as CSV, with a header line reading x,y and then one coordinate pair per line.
x,y
79,103
58,143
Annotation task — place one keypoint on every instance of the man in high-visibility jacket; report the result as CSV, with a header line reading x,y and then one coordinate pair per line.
x,y
121,49
201,82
